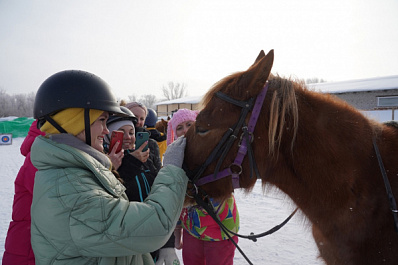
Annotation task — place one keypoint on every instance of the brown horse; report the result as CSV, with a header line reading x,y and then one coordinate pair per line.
x,y
161,125
318,150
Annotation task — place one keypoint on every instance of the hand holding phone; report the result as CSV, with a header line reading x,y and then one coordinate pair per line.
x,y
140,138
117,136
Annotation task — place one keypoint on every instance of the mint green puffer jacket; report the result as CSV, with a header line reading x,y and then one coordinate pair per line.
x,y
81,215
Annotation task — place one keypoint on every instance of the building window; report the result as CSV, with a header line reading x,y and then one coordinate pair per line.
x,y
387,101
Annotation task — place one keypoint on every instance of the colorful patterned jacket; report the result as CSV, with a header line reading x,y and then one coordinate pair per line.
x,y
197,222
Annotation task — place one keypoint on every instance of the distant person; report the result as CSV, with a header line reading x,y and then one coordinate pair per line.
x,y
150,123
80,211
203,241
18,249
140,111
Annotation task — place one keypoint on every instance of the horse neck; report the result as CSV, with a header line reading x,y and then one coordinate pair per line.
x,y
331,151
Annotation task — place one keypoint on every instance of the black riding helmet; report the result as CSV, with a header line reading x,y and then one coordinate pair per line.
x,y
129,116
73,89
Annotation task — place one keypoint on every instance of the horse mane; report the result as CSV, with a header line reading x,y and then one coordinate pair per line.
x,y
283,104
393,124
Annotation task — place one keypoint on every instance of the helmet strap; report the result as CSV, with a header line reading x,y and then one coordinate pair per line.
x,y
87,126
55,124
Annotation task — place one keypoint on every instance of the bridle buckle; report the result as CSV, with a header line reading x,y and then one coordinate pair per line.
x,y
243,133
236,168
194,190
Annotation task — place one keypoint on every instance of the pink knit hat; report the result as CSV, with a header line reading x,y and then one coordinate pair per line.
x,y
182,115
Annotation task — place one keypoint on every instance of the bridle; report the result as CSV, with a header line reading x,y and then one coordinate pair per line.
x,y
235,169
229,137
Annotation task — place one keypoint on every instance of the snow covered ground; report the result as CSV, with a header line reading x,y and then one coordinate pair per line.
x,y
292,245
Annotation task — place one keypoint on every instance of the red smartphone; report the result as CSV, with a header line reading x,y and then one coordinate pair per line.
x,y
116,136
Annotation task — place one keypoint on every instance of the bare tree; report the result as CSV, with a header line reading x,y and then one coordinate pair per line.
x,y
20,105
123,102
148,101
314,80
174,90
30,102
132,98
5,103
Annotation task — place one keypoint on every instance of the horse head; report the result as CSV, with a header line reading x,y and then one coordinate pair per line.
x,y
218,116
161,126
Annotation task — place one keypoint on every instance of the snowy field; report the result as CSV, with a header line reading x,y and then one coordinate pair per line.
x,y
292,245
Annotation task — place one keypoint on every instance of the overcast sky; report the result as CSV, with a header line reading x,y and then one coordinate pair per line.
x,y
139,46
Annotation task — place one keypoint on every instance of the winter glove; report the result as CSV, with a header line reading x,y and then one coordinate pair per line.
x,y
167,256
174,154
178,237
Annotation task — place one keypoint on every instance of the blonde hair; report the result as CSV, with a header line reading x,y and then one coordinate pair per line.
x,y
133,104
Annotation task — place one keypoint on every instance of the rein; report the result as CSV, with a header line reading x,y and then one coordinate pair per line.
x,y
208,206
235,169
391,199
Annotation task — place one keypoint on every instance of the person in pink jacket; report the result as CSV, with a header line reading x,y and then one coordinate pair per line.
x,y
18,250
201,239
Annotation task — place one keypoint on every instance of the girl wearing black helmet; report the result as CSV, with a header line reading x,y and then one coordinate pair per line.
x,y
80,212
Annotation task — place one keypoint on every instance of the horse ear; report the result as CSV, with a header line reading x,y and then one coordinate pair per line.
x,y
259,71
265,65
259,57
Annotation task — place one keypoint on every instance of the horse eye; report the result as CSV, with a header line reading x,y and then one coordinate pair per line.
x,y
201,131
